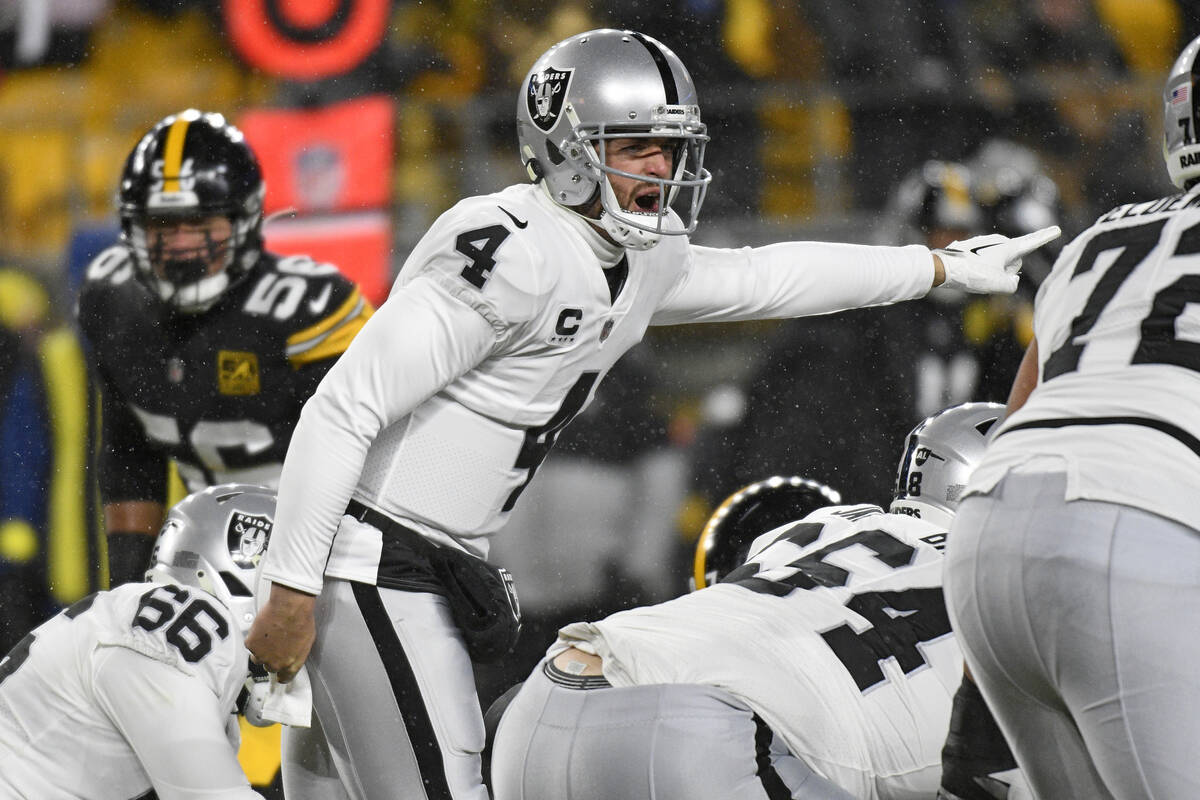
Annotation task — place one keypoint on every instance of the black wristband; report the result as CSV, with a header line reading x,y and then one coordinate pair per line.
x,y
128,556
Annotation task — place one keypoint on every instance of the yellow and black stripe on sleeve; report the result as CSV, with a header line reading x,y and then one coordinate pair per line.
x,y
331,336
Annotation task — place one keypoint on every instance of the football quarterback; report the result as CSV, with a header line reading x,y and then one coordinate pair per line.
x,y
502,321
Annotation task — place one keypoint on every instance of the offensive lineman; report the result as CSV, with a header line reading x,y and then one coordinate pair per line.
x,y
133,690
503,319
1071,575
206,346
824,667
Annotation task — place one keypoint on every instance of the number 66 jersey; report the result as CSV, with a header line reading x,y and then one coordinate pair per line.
x,y
1117,326
126,691
834,631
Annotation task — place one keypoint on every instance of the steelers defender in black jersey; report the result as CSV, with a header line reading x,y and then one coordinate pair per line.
x,y
205,345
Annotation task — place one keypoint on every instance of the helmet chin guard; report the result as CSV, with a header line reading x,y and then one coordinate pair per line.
x,y
610,84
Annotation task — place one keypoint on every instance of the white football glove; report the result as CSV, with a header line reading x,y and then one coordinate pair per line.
x,y
990,264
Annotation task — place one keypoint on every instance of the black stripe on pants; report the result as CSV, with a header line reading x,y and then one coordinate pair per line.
x,y
405,690
772,783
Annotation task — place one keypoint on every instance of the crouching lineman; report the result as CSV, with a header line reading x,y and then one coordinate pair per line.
x,y
135,689
822,667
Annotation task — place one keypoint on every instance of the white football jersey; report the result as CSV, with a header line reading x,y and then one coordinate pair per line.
x,y
835,632
502,321
1118,331
127,690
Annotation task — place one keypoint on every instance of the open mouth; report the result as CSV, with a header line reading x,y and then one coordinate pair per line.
x,y
648,202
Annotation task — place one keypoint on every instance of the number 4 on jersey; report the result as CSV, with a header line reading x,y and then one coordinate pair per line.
x,y
480,246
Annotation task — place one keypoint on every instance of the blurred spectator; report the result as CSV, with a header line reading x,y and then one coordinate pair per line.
x,y
903,67
1016,197
47,32
44,541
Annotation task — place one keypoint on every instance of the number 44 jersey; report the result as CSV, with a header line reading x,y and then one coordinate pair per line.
x,y
218,391
126,690
835,632
1117,324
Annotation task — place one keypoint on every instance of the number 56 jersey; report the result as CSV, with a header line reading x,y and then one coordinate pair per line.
x,y
126,689
1117,324
217,391
835,632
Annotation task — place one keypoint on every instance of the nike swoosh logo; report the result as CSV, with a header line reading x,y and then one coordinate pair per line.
x,y
976,250
318,303
516,221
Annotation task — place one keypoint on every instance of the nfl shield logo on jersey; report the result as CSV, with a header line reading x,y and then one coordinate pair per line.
x,y
606,329
247,536
545,96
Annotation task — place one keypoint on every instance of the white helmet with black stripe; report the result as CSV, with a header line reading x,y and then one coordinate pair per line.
x,y
939,456
607,84
1181,140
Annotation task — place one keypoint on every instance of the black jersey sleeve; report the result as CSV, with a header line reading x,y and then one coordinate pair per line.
x,y
130,468
333,312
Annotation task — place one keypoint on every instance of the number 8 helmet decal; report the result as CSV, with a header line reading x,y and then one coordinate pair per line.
x,y
939,456
1181,140
608,84
213,540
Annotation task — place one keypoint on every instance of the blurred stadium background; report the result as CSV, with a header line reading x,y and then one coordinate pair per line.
x,y
373,116
816,108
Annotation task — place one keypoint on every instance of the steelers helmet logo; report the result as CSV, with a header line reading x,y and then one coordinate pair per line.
x,y
545,94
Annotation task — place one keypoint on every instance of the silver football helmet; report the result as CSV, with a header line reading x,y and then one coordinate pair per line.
x,y
213,540
939,456
609,84
1181,113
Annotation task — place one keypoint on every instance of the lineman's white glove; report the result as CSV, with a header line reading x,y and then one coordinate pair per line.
x,y
990,264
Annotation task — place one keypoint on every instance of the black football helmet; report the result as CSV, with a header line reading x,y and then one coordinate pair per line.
x,y
189,167
935,200
747,514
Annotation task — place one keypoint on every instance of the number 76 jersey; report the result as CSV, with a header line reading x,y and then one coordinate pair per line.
x,y
1117,324
835,632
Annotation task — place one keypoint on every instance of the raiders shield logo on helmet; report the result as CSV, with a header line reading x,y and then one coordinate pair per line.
x,y
545,95
247,535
